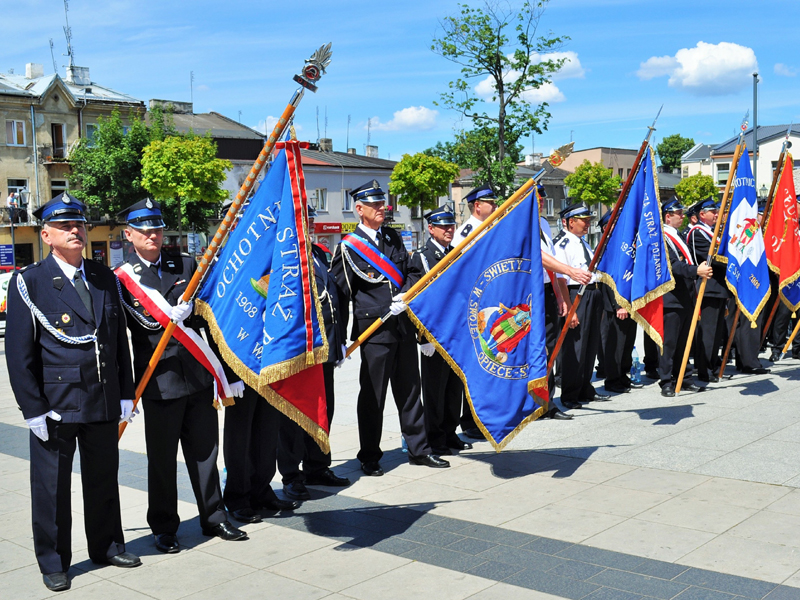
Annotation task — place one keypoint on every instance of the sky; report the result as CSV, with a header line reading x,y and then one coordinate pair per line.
x,y
625,58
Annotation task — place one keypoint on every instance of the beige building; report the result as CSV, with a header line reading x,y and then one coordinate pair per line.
x,y
618,160
44,117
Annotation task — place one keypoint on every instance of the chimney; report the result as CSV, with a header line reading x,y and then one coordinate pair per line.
x,y
351,150
34,71
78,75
325,145
178,108
372,151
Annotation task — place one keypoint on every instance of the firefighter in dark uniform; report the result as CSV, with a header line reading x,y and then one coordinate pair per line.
x,y
679,303
296,445
70,370
374,286
618,338
442,389
179,399
711,328
579,351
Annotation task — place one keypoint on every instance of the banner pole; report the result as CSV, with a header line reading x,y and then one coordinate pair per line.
x,y
730,342
311,73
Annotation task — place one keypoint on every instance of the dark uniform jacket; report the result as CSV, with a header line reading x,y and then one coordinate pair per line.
x,y
699,243
423,261
178,373
335,326
371,299
72,379
683,294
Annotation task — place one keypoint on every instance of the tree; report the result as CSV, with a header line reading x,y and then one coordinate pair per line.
x,y
695,188
479,39
592,183
420,179
671,149
184,173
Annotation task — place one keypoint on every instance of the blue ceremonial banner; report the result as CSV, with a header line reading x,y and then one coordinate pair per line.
x,y
635,264
491,328
742,245
260,301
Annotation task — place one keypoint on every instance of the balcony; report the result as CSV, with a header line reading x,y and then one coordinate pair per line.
x,y
18,216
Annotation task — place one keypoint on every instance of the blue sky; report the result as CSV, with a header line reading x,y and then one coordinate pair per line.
x,y
626,59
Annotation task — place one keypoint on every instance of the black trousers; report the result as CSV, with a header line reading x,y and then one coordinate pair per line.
x,y
51,478
192,421
601,348
677,322
250,449
297,446
551,330
442,392
381,363
620,338
782,326
580,348
746,339
711,332
651,355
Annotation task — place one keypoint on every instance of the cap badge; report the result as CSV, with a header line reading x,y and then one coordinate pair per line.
x,y
375,183
65,199
149,203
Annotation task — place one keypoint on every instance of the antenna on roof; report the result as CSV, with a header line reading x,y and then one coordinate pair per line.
x,y
68,34
53,56
318,136
326,121
347,145
191,94
369,132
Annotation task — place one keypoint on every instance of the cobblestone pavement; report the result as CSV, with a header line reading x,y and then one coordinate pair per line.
x,y
642,497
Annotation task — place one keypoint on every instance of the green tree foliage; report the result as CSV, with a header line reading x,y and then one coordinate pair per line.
x,y
672,148
184,174
499,43
695,188
420,179
592,183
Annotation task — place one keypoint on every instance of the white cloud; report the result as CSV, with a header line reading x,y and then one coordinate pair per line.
x,y
785,70
706,69
547,92
267,125
413,118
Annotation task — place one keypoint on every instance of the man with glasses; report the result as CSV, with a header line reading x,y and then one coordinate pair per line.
x,y
370,267
70,370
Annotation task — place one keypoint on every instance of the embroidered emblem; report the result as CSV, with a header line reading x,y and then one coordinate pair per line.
x,y
137,268
564,242
65,199
149,203
65,318
466,231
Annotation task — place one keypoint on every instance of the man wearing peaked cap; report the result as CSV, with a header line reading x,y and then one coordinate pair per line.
x,y
481,202
370,267
442,389
178,400
71,375
583,338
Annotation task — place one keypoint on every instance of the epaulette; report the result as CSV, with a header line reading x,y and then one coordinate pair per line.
x,y
564,243
558,236
30,266
466,231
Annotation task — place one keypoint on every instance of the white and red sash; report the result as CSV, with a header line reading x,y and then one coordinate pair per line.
x,y
159,308
678,244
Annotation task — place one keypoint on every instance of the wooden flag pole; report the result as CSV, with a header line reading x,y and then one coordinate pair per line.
x,y
730,342
601,246
712,250
312,71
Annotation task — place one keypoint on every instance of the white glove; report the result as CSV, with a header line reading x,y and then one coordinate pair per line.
x,y
237,389
427,349
180,311
127,411
339,363
398,306
38,425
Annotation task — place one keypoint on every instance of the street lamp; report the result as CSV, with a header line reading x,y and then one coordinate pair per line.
x,y
24,198
762,192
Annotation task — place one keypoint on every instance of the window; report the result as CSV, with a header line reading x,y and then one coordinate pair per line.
x,y
58,131
621,172
17,185
347,201
91,131
723,170
549,206
57,186
416,212
15,133
321,199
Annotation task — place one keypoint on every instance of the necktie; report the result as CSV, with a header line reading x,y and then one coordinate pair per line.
x,y
447,250
586,254
154,270
83,291
379,238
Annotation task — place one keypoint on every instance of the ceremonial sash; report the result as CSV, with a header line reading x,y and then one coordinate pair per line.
x,y
159,308
678,244
374,257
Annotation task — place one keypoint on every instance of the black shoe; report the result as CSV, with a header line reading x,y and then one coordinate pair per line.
x,y
710,379
225,531
372,468
245,515
596,398
277,504
458,444
558,415
755,371
570,404
126,560
635,385
296,490
775,356
167,543
651,374
428,460
474,433
617,389
327,477
668,391
56,582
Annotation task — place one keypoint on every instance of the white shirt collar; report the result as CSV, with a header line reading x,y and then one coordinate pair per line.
x,y
147,263
68,269
439,246
372,233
